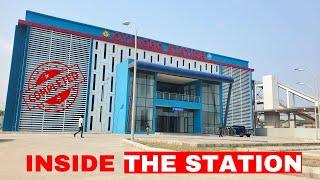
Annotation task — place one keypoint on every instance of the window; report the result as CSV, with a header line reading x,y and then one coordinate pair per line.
x,y
113,48
158,57
103,72
210,107
121,55
170,60
183,62
94,82
111,86
144,55
109,123
144,109
189,65
105,51
92,103
110,104
102,92
211,68
137,56
129,52
151,59
206,66
200,68
216,68
164,61
96,44
112,65
177,64
100,114
95,61
91,119
195,64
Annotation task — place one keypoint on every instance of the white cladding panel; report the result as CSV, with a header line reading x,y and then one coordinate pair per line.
x,y
107,56
270,92
240,108
46,46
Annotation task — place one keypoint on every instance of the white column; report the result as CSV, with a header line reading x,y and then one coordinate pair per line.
x,y
288,98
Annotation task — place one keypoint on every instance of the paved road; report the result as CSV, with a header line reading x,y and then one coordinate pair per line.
x,y
15,147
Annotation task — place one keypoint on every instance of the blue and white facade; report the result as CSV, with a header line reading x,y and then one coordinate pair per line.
x,y
179,89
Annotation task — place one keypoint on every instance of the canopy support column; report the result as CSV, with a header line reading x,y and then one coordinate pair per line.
x,y
227,106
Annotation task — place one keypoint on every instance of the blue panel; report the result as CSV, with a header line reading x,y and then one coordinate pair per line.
x,y
63,23
13,103
179,104
120,115
227,60
183,72
198,113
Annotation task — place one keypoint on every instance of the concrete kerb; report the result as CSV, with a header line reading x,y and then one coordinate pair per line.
x,y
144,147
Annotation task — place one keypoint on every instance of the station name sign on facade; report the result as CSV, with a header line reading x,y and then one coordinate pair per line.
x,y
152,45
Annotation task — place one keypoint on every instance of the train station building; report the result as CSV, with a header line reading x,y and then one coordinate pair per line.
x,y
63,69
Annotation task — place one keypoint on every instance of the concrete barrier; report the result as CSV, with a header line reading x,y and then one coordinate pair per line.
x,y
305,133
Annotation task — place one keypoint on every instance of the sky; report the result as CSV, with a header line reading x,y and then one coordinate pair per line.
x,y
275,36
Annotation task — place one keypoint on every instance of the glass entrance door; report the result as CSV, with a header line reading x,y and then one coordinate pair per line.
x,y
174,120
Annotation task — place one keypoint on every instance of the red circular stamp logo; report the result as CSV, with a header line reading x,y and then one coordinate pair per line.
x,y
53,86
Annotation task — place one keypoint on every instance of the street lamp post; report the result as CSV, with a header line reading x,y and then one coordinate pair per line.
x,y
315,104
316,91
134,86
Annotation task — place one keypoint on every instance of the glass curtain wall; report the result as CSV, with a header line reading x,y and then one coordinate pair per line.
x,y
210,108
190,89
175,120
144,103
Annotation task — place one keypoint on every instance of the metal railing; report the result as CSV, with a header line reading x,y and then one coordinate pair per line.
x,y
178,97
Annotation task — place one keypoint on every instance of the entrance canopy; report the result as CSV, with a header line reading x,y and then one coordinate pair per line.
x,y
187,74
146,66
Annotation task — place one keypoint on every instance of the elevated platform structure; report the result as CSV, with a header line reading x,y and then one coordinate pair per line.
x,y
279,106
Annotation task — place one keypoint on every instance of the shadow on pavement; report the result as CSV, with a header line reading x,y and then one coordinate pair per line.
x,y
6,140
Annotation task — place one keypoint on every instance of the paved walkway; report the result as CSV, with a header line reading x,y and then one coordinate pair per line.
x,y
15,147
